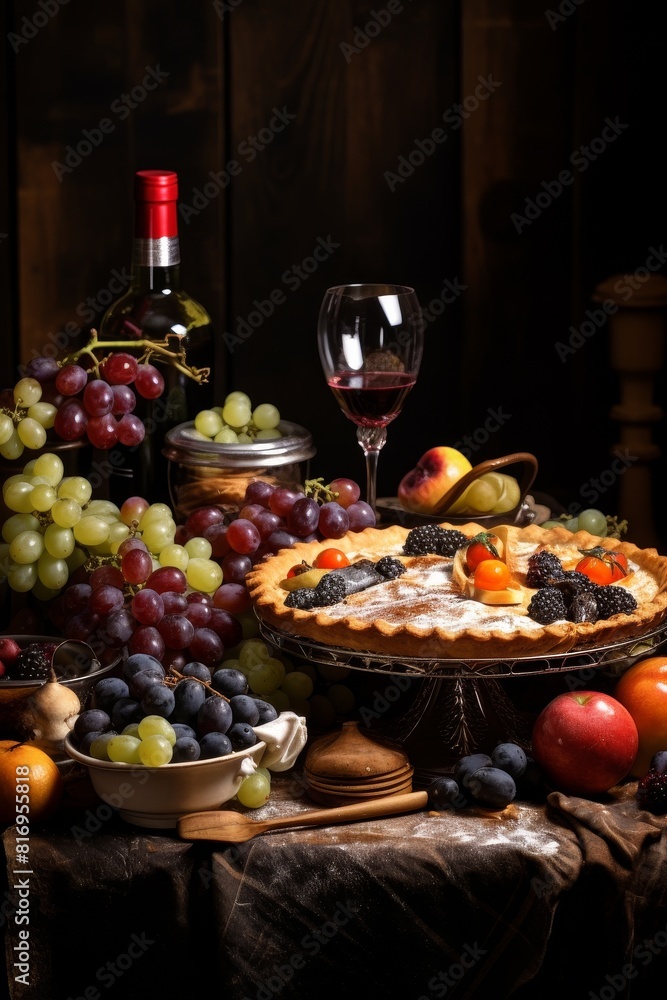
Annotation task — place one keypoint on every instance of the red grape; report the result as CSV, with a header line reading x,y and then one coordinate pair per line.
x,y
282,500
71,379
198,614
216,534
176,631
174,603
348,491
267,522
258,491
102,575
201,518
167,578
235,566
334,520
232,597
304,516
136,566
106,599
124,400
149,382
119,627
250,511
120,369
130,430
75,598
131,543
206,646
98,398
361,516
103,431
147,640
147,606
243,536
71,420
226,626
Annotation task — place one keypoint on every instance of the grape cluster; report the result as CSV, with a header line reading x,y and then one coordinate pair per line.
x,y
591,520
481,780
27,413
99,403
238,422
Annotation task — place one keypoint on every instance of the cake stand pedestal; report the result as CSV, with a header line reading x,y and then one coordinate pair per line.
x,y
460,707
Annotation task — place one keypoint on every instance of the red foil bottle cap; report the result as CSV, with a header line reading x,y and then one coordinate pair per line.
x,y
156,195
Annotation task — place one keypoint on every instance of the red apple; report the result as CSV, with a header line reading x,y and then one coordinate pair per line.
x,y
435,473
585,742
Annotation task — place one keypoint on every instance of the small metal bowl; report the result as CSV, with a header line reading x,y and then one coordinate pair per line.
x,y
74,662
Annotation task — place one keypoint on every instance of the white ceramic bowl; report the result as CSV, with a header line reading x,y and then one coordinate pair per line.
x,y
157,796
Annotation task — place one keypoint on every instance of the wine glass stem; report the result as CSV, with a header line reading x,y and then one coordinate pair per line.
x,y
371,440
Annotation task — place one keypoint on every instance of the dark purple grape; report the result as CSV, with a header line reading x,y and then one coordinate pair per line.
x,y
235,567
258,491
148,640
106,599
141,661
444,793
189,696
198,614
491,787
42,369
244,709
230,682
241,736
124,712
509,757
158,700
108,691
467,766
182,729
361,516
140,682
226,626
267,712
202,518
196,669
185,749
214,716
267,522
303,517
174,604
82,626
214,744
76,597
91,721
334,520
281,540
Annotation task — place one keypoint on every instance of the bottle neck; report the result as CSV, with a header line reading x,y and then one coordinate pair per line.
x,y
156,251
147,278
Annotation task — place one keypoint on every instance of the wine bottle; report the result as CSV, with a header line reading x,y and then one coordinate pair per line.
x,y
156,308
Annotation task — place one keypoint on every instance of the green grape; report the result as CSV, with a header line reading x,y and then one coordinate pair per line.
x,y
551,524
244,438
43,498
266,677
483,493
26,547
27,391
266,417
17,497
44,414
66,513
59,542
253,652
29,470
22,578
254,791
236,413
510,495
342,698
174,555
104,509
297,684
91,530
155,751
52,572
78,558
265,771
158,533
99,748
155,512
204,575
12,448
17,523
226,436
572,524
132,729
268,435
156,725
118,532
198,548
6,428
237,397
31,433
42,593
208,422
75,488
124,749
593,521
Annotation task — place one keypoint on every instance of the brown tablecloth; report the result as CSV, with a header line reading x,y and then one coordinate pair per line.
x,y
564,898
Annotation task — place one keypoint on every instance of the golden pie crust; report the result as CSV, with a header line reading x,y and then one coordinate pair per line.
x,y
422,614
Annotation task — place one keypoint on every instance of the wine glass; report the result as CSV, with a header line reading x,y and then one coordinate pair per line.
x,y
370,340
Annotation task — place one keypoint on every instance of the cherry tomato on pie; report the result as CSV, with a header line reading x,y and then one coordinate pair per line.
x,y
492,574
603,566
296,570
483,546
331,559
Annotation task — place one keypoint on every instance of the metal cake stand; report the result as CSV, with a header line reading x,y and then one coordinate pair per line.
x,y
467,706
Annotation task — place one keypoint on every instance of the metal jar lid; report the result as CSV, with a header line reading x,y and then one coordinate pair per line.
x,y
296,445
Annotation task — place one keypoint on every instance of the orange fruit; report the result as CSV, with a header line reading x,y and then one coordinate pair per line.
x,y
642,689
28,778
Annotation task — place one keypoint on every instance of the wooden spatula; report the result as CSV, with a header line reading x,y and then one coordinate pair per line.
x,y
235,828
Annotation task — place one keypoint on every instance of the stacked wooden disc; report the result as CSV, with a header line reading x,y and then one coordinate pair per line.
x,y
353,766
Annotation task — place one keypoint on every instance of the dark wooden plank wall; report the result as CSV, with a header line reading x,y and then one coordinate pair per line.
x,y
359,113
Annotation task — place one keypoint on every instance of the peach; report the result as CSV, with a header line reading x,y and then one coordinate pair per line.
x,y
435,473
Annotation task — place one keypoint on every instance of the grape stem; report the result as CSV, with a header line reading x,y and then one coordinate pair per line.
x,y
159,348
187,677
319,490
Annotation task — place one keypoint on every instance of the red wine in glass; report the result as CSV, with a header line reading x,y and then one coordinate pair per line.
x,y
371,399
